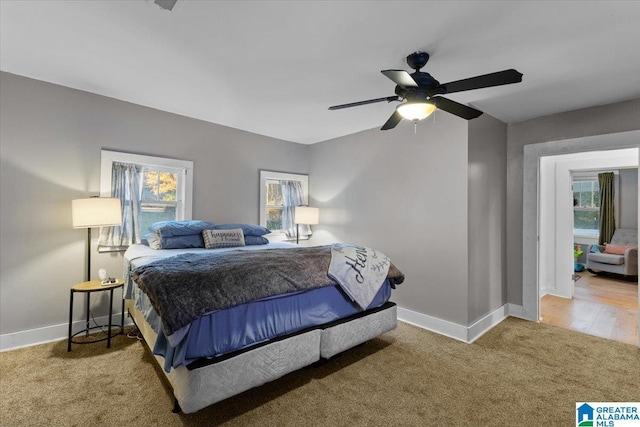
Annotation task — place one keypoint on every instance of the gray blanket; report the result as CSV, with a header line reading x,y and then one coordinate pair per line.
x,y
184,287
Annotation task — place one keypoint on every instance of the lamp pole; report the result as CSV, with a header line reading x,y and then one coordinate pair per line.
x,y
88,254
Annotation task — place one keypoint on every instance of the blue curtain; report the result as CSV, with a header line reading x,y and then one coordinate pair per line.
x,y
125,185
292,196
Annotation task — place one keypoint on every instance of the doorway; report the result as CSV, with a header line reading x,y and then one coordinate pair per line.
x,y
591,304
535,249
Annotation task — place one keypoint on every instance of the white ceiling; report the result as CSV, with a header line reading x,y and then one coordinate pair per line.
x,y
273,67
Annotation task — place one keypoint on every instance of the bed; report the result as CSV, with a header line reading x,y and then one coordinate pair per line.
x,y
212,354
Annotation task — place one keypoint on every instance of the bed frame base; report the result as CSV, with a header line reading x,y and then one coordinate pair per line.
x,y
197,388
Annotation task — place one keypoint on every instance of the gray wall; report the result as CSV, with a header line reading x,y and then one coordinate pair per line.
x,y
628,198
405,194
51,137
601,120
487,216
416,197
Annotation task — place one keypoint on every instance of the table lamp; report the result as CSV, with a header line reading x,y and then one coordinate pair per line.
x,y
307,216
95,212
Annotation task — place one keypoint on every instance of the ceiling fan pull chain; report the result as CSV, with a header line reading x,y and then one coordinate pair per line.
x,y
415,127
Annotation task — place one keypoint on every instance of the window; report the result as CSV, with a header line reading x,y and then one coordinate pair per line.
x,y
586,207
164,190
271,198
586,202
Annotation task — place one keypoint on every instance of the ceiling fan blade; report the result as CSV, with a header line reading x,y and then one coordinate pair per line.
x,y
166,4
400,77
369,101
392,122
488,80
456,108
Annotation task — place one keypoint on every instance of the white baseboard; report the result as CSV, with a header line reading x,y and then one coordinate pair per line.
x,y
516,310
481,326
433,324
453,330
51,333
555,294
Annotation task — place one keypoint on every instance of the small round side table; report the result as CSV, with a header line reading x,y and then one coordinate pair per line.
x,y
88,288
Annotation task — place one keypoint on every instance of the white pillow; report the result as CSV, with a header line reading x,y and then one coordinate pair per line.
x,y
223,238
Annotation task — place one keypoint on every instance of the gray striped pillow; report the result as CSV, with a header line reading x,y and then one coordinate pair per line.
x,y
223,238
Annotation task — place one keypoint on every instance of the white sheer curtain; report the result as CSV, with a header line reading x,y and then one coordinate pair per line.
x,y
125,185
292,196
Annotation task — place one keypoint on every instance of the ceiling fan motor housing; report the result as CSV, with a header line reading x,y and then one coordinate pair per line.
x,y
427,87
417,60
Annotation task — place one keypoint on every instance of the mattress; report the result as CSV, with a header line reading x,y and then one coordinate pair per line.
x,y
226,331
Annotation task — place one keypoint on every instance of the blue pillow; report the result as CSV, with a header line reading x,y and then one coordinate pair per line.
x,y
255,240
180,228
153,240
247,229
595,249
176,242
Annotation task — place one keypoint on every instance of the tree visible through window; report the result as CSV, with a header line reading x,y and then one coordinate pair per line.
x,y
586,205
158,201
274,205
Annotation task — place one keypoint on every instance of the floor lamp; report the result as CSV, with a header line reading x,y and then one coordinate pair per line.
x,y
307,216
95,212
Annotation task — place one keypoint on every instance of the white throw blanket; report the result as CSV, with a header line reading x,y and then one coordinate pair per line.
x,y
360,271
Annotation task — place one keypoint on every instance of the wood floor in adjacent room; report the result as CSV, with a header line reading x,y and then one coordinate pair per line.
x,y
602,306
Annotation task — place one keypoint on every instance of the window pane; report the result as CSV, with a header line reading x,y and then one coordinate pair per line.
x,y
586,220
596,199
274,219
585,186
585,199
157,185
274,194
150,213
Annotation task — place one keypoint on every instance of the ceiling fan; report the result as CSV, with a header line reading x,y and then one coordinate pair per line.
x,y
419,92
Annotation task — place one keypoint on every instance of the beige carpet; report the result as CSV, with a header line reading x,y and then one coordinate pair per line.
x,y
519,373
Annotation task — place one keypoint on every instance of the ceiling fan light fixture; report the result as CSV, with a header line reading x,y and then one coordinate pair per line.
x,y
415,110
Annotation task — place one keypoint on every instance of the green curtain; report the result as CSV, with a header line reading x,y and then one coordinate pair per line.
x,y
607,219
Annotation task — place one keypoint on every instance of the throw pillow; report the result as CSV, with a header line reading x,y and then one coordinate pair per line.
x,y
617,249
223,238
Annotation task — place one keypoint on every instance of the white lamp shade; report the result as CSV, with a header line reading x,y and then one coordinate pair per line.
x,y
415,110
95,212
307,215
